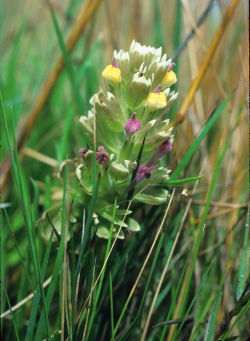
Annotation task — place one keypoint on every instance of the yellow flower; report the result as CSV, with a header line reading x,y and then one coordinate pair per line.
x,y
156,101
112,74
169,79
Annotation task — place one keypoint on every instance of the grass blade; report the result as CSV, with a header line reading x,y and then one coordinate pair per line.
x,y
214,176
193,300
198,140
23,202
138,316
212,320
87,227
244,261
12,315
103,273
231,134
111,309
64,142
177,291
57,267
81,72
236,320
17,248
30,225
69,65
37,297
180,182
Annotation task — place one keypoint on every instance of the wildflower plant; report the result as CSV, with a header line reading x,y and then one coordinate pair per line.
x,y
131,115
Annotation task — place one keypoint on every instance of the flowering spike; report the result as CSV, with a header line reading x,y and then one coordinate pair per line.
x,y
102,155
132,125
163,148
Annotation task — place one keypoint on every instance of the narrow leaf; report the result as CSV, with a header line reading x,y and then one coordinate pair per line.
x,y
198,140
244,260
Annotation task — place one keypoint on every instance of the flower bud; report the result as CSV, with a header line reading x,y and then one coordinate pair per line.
x,y
132,125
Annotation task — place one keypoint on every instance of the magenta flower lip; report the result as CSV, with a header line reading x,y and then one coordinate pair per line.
x,y
163,148
143,172
115,64
157,89
132,125
171,67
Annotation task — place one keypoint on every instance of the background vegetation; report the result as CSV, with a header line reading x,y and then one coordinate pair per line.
x,y
200,264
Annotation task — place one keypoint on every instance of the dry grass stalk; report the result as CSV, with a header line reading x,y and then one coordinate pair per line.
x,y
85,15
40,157
167,264
204,66
111,249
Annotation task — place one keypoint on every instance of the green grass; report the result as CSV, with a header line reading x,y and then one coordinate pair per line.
x,y
93,289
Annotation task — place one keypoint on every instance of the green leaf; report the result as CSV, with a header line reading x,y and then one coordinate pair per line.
x,y
156,197
133,225
180,182
103,232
